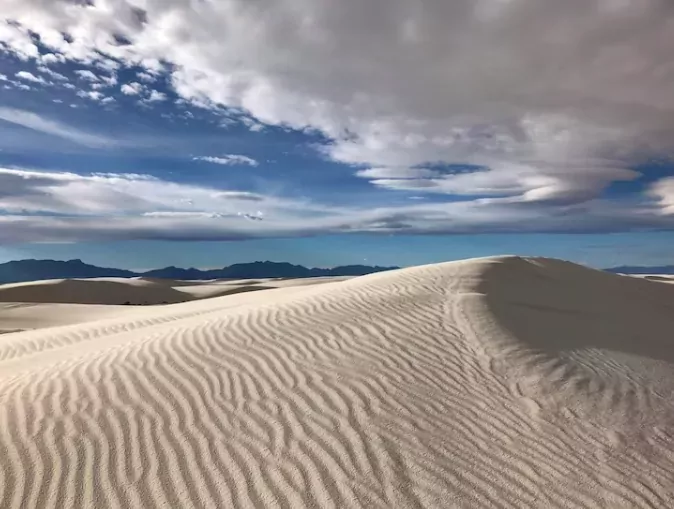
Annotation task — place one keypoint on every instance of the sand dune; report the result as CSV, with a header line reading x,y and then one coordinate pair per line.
x,y
138,291
20,316
664,278
499,382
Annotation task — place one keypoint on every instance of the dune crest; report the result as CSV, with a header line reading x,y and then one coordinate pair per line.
x,y
496,382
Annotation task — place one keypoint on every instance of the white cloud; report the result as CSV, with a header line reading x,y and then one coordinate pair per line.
x,y
38,123
146,77
397,173
109,65
86,75
52,58
28,76
229,160
156,96
132,88
183,215
52,74
546,101
39,206
663,191
108,81
252,124
563,89
17,40
92,94
133,197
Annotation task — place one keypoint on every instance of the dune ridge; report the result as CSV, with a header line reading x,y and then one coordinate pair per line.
x,y
499,382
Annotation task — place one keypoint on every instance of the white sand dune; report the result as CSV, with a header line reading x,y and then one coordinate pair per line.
x,y
20,316
500,382
138,291
663,278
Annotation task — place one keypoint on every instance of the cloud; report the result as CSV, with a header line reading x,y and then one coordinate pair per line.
x,y
52,74
146,77
52,58
229,160
132,88
119,194
108,205
107,81
86,75
24,75
156,96
547,103
47,206
663,192
240,195
183,215
41,124
92,94
396,173
97,81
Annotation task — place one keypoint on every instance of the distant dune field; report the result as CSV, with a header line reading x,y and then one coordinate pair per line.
x,y
51,303
500,382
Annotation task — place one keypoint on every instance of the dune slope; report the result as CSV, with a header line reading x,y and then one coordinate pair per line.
x,y
499,382
20,316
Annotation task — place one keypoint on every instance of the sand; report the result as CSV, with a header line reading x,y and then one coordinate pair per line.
x,y
663,278
56,302
21,316
500,382
139,291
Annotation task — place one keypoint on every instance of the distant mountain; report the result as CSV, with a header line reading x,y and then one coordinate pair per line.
x,y
176,273
35,270
262,270
627,269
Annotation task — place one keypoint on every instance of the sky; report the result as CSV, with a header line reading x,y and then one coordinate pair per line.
x,y
146,133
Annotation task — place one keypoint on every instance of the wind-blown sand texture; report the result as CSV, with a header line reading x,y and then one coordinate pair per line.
x,y
500,382
20,316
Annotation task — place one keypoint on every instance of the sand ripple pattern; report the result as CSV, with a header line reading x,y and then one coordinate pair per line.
x,y
426,387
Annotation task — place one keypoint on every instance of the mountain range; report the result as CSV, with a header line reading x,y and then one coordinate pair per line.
x,y
36,270
633,269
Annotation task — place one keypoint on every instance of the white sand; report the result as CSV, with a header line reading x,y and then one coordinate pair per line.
x,y
139,291
499,382
56,302
21,316
662,278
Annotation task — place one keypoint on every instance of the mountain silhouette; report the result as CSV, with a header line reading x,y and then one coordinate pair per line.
x,y
35,270
627,269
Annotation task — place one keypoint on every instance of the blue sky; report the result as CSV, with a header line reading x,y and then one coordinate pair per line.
x,y
141,133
